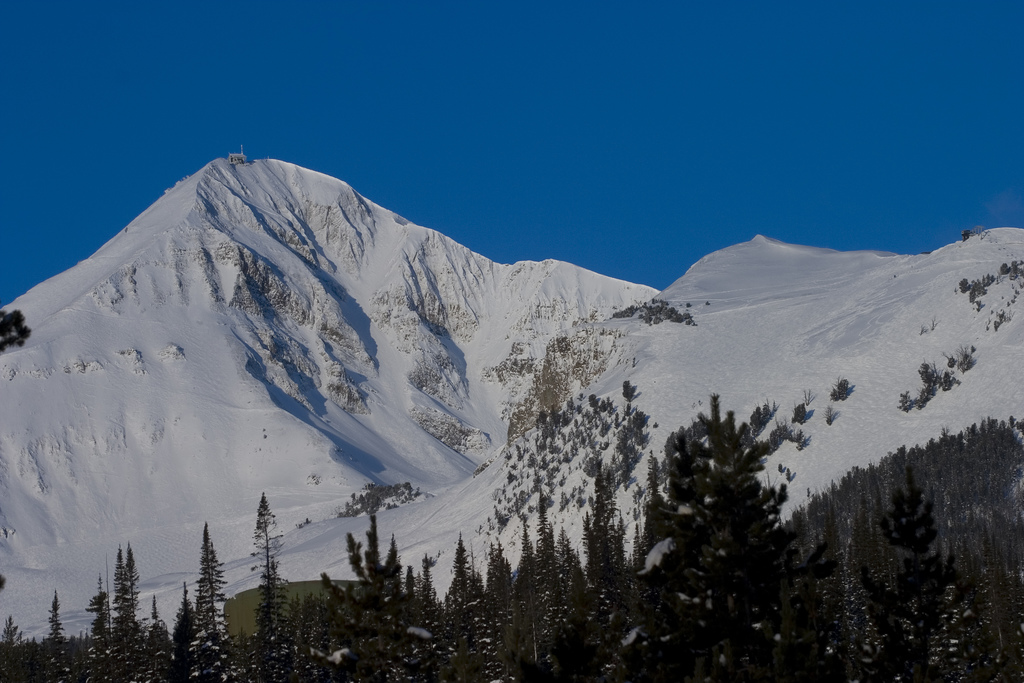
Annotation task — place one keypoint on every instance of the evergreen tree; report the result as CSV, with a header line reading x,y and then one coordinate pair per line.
x,y
56,635
605,548
724,563
425,612
606,569
919,619
370,619
209,657
497,613
12,653
464,666
100,655
273,650
158,648
525,589
551,587
460,603
576,650
127,643
308,619
13,331
426,606
55,644
180,668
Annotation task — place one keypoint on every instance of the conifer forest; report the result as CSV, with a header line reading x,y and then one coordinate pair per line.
x,y
898,572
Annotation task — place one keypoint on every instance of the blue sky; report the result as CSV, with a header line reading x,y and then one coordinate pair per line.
x,y
630,140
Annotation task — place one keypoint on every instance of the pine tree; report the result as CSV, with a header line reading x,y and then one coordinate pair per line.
x,y
464,666
209,657
181,641
743,558
427,608
724,562
55,643
576,648
425,612
604,545
310,630
273,650
551,587
100,655
11,652
56,635
127,642
158,648
459,602
370,619
525,590
920,619
497,612
606,568
13,331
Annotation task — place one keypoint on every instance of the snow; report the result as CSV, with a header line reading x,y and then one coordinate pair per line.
x,y
338,656
421,633
657,554
265,328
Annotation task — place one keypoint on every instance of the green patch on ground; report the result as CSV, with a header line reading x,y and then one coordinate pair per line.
x,y
240,610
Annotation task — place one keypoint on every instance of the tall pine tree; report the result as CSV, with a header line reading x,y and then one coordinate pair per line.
x,y
158,648
210,657
55,644
100,655
724,562
180,668
922,619
272,647
128,643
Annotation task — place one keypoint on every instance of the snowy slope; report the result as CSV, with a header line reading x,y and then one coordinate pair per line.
x,y
266,328
260,328
787,318
774,320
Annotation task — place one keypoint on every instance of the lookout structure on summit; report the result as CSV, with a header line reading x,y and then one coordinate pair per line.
x,y
235,159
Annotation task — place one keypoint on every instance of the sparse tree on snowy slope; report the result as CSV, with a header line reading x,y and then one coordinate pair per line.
x,y
13,331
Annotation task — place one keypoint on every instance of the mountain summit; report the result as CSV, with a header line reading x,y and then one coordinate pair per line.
x,y
264,328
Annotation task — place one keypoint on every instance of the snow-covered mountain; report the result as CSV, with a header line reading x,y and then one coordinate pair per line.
x,y
263,327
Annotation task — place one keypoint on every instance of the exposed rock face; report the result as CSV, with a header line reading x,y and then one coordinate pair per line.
x,y
570,363
451,432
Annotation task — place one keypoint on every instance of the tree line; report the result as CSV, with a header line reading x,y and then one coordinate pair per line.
x,y
714,586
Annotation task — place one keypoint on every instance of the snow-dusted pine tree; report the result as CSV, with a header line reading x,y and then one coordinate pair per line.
x,y
210,656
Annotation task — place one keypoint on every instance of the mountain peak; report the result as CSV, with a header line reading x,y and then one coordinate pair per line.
x,y
263,327
765,268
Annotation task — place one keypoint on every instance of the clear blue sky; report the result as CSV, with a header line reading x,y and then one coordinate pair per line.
x,y
628,139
